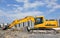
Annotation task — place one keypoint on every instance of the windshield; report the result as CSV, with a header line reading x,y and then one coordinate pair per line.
x,y
38,20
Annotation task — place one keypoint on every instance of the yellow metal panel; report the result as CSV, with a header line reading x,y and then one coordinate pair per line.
x,y
51,24
44,24
21,21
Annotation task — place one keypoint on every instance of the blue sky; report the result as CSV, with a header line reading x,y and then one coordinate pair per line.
x,y
17,9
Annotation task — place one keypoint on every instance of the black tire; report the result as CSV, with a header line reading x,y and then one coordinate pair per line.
x,y
28,29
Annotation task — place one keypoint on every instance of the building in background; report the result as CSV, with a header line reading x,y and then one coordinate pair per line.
x,y
3,25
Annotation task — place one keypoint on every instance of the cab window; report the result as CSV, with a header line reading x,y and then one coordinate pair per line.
x,y
38,20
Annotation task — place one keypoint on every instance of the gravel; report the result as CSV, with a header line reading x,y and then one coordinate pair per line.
x,y
18,34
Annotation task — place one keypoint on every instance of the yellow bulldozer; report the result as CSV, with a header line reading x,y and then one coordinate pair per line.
x,y
34,23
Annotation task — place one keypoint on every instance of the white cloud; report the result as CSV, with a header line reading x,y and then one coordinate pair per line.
x,y
13,5
18,9
36,3
27,4
20,0
2,13
54,8
18,14
51,3
21,15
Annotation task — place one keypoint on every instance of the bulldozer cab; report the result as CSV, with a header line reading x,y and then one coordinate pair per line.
x,y
39,20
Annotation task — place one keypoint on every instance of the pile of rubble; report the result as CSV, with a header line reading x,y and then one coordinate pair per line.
x,y
12,34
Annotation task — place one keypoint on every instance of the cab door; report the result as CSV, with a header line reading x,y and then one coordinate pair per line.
x,y
39,22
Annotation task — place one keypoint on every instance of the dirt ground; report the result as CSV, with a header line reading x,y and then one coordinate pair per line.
x,y
20,34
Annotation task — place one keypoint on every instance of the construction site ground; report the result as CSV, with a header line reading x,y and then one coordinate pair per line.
x,y
23,34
